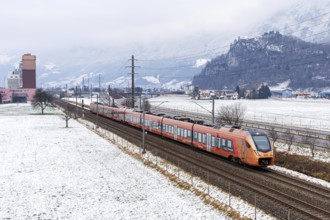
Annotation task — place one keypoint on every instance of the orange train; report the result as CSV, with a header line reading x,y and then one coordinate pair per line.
x,y
247,147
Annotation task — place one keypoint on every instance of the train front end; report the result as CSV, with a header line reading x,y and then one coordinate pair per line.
x,y
260,152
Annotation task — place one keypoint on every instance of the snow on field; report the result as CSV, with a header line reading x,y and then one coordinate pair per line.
x,y
51,172
294,112
320,154
304,113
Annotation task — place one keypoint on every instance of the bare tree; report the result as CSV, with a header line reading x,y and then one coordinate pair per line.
x,y
127,103
311,142
273,135
42,100
289,137
147,105
231,114
328,142
68,113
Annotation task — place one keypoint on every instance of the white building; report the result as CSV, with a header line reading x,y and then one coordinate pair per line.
x,y
14,80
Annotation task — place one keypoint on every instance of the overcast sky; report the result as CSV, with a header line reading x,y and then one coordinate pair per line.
x,y
49,24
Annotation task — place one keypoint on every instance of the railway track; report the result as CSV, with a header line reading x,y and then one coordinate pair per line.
x,y
280,195
321,137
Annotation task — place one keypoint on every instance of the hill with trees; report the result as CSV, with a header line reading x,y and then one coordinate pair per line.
x,y
270,59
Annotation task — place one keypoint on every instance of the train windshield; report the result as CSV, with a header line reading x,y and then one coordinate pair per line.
x,y
262,143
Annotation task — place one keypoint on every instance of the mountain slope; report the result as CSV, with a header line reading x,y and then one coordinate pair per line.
x,y
272,58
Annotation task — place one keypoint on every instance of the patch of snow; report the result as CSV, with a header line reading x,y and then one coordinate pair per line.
x,y
301,176
303,113
319,77
282,85
274,48
319,154
119,81
201,62
175,85
152,79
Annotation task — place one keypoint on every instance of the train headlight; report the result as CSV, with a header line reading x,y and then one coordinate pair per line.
x,y
255,151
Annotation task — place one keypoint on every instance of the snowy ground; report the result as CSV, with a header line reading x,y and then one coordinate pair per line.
x,y
320,154
294,112
304,113
51,172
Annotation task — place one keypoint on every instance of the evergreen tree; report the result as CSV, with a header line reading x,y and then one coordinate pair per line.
x,y
264,92
238,90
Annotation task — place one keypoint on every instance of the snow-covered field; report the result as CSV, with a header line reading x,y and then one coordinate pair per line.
x,y
304,113
51,172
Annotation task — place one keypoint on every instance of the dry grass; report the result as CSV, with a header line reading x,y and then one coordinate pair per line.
x,y
304,165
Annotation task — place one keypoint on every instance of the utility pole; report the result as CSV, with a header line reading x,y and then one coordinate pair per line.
x,y
75,115
109,91
97,110
83,85
133,86
100,82
88,83
143,128
213,96
91,93
133,94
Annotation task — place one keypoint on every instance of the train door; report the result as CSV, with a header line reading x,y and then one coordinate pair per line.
x,y
208,142
244,148
175,132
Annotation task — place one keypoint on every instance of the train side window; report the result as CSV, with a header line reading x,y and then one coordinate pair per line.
x,y
223,142
199,137
204,138
189,134
185,133
195,136
218,142
182,132
178,131
213,141
229,144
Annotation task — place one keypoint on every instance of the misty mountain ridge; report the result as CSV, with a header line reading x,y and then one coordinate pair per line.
x,y
162,64
271,59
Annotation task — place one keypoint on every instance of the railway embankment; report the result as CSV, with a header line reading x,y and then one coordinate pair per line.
x,y
304,164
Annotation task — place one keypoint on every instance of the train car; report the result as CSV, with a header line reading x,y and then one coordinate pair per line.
x,y
177,130
133,118
251,148
153,123
108,111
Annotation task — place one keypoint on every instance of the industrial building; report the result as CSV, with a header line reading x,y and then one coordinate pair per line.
x,y
20,83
